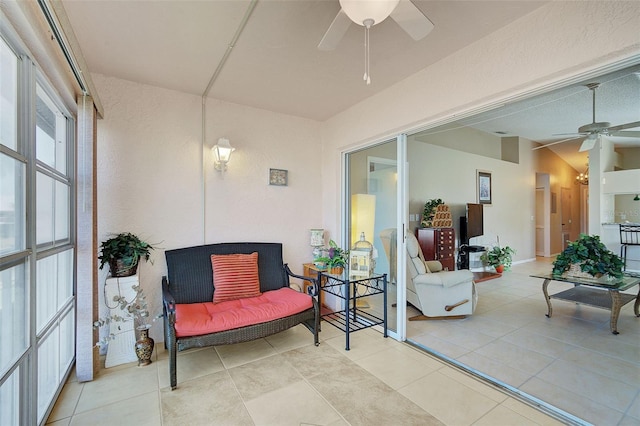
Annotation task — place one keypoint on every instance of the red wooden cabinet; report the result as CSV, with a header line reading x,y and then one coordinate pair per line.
x,y
438,244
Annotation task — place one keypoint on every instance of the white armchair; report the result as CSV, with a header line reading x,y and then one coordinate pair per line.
x,y
438,294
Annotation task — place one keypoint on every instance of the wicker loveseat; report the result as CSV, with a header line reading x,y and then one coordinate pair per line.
x,y
188,293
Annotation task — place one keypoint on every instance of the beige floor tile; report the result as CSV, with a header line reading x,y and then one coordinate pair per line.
x,y
502,415
190,365
440,345
242,353
448,400
117,385
61,422
473,383
613,368
309,407
292,338
530,413
396,368
495,369
612,393
67,401
203,401
361,343
627,348
587,409
634,408
392,409
263,376
538,343
139,410
515,356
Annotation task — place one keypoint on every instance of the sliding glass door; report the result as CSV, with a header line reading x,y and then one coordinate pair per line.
x,y
375,204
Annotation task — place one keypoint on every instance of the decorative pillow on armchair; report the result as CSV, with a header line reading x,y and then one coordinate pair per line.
x,y
235,276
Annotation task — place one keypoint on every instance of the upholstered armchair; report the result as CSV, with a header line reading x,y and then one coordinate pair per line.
x,y
436,293
440,294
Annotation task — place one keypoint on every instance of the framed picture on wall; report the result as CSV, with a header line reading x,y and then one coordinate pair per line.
x,y
483,182
278,177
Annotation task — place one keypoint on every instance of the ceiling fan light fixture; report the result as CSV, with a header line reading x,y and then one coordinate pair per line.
x,y
360,11
589,142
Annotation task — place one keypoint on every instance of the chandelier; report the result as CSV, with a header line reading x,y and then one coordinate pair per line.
x,y
583,178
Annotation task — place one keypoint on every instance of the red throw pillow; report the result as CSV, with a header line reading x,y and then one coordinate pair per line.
x,y
235,276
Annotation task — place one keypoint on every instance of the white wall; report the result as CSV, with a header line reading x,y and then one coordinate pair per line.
x,y
439,172
558,41
150,178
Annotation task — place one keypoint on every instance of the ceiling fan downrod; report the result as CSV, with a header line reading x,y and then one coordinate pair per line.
x,y
593,127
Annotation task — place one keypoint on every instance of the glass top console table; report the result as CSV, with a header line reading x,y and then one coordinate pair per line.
x,y
595,292
350,290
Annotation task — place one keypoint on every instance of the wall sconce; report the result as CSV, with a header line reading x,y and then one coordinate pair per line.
x,y
222,154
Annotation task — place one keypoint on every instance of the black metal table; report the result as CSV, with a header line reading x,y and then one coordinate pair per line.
x,y
351,289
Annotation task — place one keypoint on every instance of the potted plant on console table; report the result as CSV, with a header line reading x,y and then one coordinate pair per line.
x,y
499,258
335,260
123,252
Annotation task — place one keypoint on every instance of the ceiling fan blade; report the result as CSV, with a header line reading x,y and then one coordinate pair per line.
x,y
412,20
626,134
589,142
552,143
336,31
624,126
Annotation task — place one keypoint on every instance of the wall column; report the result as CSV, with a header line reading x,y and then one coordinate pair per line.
x,y
87,355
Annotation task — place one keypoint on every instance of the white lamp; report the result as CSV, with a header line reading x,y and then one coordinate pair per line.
x,y
363,216
368,13
317,241
222,154
360,11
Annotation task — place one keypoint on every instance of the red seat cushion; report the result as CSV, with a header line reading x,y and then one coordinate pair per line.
x,y
194,319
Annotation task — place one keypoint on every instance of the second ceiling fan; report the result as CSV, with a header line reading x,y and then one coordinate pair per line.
x,y
593,130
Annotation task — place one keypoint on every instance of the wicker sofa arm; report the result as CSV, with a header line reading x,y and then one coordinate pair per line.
x,y
313,281
167,299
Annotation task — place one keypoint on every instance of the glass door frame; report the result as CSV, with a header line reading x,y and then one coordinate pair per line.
x,y
402,220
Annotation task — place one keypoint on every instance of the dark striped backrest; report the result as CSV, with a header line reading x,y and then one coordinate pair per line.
x,y
190,273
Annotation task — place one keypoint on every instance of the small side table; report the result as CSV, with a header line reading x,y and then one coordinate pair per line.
x,y
350,290
310,270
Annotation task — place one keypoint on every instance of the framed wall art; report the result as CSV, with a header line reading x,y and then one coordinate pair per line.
x,y
483,182
278,177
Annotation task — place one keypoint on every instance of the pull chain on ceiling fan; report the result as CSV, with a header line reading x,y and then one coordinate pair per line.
x,y
368,13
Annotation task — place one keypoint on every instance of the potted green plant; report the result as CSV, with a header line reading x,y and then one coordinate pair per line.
x,y
499,258
588,256
335,259
123,253
135,310
429,212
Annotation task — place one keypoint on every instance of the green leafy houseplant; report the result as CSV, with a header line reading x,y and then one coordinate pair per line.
x,y
429,212
498,256
592,255
336,257
123,253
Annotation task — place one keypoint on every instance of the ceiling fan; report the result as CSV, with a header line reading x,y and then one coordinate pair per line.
x,y
368,13
593,130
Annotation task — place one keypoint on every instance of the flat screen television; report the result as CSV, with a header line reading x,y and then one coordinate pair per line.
x,y
471,224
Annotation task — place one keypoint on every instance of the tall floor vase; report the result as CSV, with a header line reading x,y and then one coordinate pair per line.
x,y
144,346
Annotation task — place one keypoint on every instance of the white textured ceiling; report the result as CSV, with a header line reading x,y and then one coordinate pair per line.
x,y
275,64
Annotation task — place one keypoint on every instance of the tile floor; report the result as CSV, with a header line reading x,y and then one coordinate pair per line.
x,y
570,360
286,380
